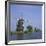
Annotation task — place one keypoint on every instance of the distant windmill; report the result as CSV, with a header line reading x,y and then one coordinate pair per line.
x,y
20,24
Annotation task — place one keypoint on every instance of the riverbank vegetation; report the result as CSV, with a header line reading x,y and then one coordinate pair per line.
x,y
28,30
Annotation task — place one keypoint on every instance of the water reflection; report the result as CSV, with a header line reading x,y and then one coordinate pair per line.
x,y
34,35
20,36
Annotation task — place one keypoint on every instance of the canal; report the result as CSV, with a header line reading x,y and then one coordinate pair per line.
x,y
34,35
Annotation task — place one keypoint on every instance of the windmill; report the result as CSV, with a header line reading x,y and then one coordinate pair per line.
x,y
20,26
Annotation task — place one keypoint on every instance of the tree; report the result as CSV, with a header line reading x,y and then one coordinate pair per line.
x,y
37,30
29,27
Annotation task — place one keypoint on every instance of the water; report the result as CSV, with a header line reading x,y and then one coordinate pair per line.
x,y
34,35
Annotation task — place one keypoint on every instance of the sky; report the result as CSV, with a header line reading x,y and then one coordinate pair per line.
x,y
31,14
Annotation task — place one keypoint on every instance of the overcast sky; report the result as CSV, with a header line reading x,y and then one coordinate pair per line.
x,y
31,14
